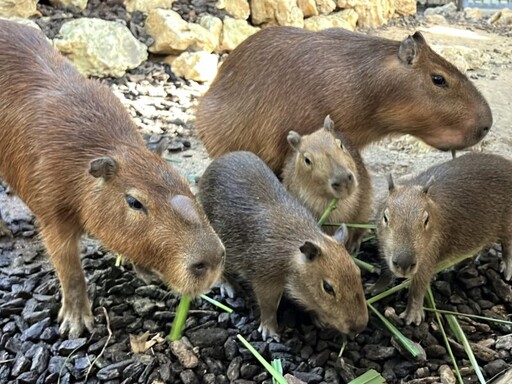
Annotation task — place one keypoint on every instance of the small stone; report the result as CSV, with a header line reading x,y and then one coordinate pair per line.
x,y
79,4
435,351
49,335
113,371
449,9
502,17
319,359
282,12
40,359
21,364
473,13
35,331
436,19
18,8
248,371
446,374
184,354
346,19
308,7
233,371
504,342
146,6
207,337
306,377
495,367
68,346
378,352
82,363
29,377
188,377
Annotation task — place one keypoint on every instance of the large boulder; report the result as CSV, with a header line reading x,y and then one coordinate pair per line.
x,y
346,19
147,6
197,66
282,12
100,48
18,8
238,9
174,35
234,32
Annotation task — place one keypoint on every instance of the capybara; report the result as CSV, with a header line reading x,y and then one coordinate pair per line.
x,y
286,78
71,152
450,210
274,244
323,166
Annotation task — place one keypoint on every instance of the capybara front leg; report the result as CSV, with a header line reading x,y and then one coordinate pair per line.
x,y
268,297
75,313
414,312
4,229
506,254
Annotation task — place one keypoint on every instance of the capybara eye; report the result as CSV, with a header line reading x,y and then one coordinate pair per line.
x,y
133,203
307,160
439,80
339,144
426,217
385,217
328,288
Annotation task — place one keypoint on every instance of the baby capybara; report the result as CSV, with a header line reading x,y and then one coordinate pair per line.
x,y
450,210
274,244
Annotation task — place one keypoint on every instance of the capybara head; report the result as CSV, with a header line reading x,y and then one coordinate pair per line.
x,y
408,227
322,164
144,209
448,111
328,283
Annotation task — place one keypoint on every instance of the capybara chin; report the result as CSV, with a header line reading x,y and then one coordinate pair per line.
x,y
71,152
274,244
285,78
323,166
452,209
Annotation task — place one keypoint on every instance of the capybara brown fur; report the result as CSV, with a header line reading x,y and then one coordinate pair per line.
x,y
274,244
323,166
71,152
285,78
452,209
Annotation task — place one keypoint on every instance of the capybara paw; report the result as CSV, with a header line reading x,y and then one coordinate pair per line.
x,y
4,230
413,316
268,332
227,290
506,269
75,319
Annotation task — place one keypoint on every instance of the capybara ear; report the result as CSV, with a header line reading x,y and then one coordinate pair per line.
x,y
408,51
328,124
419,39
294,140
310,250
391,183
185,207
162,146
429,184
341,234
104,167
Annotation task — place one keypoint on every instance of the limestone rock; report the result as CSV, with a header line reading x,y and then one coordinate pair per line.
x,y
346,19
100,48
197,66
464,58
374,13
325,7
503,17
473,13
147,6
447,10
234,32
173,35
436,19
23,21
213,24
347,3
239,9
405,7
18,8
308,7
282,12
80,4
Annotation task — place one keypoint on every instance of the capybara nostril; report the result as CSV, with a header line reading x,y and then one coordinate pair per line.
x,y
483,132
199,269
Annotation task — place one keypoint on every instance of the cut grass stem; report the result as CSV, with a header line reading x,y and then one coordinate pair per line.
x,y
181,316
444,312
216,303
331,207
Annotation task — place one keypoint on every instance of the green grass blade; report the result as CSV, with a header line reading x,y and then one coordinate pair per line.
x,y
181,316
397,334
278,366
454,153
490,319
216,303
331,207
275,374
364,265
430,299
459,334
369,377
350,225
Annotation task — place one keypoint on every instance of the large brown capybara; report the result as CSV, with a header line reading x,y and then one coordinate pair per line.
x,y
452,209
70,150
286,78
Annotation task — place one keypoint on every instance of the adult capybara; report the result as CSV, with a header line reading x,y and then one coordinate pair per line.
x,y
286,78
274,244
450,210
323,166
71,152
